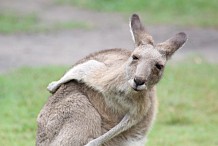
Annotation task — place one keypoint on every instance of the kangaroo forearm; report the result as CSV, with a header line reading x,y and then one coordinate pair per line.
x,y
124,124
85,72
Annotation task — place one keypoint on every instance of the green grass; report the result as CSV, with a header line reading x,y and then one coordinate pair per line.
x,y
22,95
187,105
58,26
11,22
182,12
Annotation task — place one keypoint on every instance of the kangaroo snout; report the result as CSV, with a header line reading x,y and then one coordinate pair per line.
x,y
139,81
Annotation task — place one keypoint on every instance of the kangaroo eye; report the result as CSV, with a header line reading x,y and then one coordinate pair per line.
x,y
159,66
134,57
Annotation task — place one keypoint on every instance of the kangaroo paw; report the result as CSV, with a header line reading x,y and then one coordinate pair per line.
x,y
53,86
92,143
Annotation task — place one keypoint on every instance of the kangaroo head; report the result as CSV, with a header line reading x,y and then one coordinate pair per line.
x,y
146,64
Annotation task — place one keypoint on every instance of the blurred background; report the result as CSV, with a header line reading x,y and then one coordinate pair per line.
x,y
41,39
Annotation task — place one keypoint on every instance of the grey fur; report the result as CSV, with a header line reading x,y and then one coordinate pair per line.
x,y
120,96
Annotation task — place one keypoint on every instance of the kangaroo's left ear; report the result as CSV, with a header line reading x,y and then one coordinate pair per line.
x,y
138,32
170,46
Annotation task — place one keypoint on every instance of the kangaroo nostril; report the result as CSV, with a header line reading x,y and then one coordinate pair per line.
x,y
139,81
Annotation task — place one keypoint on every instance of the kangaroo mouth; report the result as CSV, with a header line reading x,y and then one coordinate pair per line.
x,y
137,87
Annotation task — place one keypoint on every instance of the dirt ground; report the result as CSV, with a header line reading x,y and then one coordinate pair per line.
x,y
109,30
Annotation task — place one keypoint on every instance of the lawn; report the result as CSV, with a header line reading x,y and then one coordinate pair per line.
x,y
199,13
180,12
11,22
187,98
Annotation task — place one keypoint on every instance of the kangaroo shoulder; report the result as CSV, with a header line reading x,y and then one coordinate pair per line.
x,y
107,56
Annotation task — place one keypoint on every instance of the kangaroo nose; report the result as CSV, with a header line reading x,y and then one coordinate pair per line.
x,y
139,81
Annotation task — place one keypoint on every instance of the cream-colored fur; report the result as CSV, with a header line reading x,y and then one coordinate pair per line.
x,y
79,73
114,102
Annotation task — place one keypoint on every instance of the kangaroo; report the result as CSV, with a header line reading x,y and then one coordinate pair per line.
x,y
109,97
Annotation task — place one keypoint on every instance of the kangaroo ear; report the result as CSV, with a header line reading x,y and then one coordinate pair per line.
x,y
139,35
170,46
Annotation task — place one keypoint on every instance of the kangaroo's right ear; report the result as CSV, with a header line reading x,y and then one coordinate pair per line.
x,y
139,34
171,45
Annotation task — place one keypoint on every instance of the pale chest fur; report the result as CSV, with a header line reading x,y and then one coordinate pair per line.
x,y
144,107
127,102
